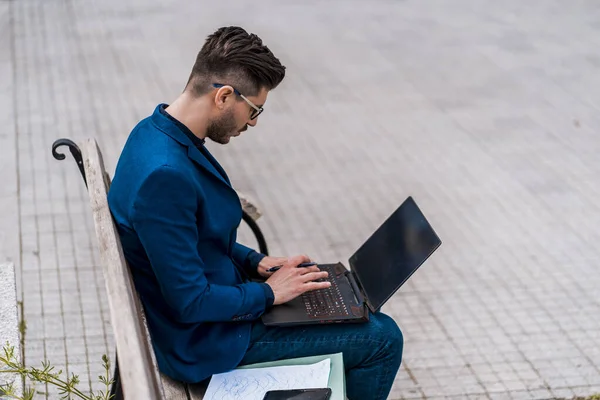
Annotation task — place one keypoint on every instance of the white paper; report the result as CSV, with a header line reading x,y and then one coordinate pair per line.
x,y
253,383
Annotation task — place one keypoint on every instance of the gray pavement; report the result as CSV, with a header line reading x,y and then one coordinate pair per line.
x,y
487,113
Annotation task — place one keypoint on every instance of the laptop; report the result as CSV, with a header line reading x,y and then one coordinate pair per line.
x,y
377,270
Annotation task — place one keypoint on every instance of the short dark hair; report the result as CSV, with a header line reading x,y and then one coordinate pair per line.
x,y
232,56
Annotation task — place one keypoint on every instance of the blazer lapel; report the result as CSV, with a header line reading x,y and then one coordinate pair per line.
x,y
202,160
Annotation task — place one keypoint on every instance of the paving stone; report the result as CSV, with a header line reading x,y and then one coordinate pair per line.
x,y
486,115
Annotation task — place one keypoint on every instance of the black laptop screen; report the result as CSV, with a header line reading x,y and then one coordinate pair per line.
x,y
394,252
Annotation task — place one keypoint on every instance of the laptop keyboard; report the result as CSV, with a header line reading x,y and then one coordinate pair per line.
x,y
325,302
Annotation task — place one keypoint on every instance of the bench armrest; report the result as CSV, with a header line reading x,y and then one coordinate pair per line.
x,y
248,206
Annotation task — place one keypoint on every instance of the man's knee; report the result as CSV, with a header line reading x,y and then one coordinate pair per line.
x,y
391,335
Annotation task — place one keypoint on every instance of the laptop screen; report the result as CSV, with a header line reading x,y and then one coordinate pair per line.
x,y
393,253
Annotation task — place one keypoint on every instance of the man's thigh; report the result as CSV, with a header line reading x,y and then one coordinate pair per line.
x,y
358,341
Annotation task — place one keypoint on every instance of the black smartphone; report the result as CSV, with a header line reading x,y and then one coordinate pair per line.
x,y
299,394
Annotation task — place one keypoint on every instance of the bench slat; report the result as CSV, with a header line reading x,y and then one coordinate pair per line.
x,y
197,391
139,378
174,390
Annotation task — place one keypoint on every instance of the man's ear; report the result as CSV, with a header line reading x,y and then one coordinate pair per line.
x,y
223,96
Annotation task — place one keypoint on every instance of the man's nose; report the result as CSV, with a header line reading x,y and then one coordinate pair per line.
x,y
252,122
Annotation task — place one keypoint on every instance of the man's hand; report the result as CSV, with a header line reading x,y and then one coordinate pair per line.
x,y
270,262
290,282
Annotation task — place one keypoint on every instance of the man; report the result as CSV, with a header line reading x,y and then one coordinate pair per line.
x,y
177,217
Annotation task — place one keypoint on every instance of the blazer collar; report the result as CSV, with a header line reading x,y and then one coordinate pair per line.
x,y
200,157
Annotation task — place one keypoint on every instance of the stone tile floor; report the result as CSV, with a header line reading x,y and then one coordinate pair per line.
x,y
488,114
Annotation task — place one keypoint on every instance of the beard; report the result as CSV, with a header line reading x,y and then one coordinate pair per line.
x,y
222,129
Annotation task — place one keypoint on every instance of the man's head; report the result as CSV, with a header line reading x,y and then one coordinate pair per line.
x,y
236,71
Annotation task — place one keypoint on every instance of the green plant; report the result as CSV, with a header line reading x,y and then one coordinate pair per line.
x,y
22,328
22,331
67,387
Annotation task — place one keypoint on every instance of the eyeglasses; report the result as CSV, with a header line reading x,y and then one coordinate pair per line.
x,y
256,109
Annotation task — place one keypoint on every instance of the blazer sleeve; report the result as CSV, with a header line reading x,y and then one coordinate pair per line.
x,y
247,258
164,217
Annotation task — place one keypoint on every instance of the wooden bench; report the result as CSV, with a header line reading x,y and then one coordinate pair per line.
x,y
9,326
137,372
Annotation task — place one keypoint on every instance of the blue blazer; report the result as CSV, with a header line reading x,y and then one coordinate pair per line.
x,y
177,217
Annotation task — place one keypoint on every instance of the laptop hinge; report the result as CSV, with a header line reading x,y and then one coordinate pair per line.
x,y
355,287
358,289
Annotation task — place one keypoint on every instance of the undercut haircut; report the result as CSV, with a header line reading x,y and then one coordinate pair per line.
x,y
232,56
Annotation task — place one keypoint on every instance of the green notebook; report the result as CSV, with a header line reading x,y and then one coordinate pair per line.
x,y
337,378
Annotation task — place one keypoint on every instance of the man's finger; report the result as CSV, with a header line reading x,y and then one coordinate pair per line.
x,y
307,270
313,276
298,259
316,285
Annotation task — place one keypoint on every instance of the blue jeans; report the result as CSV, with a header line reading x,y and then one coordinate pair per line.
x,y
372,351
